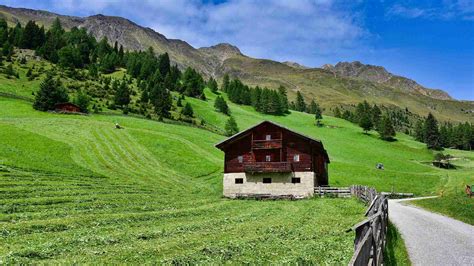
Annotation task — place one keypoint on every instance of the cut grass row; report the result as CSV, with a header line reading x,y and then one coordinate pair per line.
x,y
84,192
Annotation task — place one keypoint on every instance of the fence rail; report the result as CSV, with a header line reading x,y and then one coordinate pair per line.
x,y
371,233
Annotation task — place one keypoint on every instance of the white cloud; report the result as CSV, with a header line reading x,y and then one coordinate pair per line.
x,y
278,29
446,10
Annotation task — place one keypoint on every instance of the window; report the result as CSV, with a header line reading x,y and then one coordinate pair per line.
x,y
268,158
296,158
268,137
239,180
241,159
295,180
267,180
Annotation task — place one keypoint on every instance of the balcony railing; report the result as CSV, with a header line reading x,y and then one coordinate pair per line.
x,y
267,144
268,167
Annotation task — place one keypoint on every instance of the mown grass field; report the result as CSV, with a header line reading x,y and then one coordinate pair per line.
x,y
75,189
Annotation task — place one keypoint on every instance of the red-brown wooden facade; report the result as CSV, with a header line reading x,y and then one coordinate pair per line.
x,y
67,108
269,147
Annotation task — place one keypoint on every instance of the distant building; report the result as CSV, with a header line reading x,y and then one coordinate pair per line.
x,y
269,159
67,108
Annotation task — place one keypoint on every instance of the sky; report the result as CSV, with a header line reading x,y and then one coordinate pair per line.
x,y
431,42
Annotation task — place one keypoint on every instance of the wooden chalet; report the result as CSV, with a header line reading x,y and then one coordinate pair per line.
x,y
67,108
271,159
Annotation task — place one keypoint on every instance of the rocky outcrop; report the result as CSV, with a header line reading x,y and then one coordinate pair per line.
x,y
380,75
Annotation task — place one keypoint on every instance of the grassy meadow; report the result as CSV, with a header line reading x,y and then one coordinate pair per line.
x,y
73,189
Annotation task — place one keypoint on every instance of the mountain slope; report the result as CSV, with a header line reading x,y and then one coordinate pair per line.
x,y
342,84
380,75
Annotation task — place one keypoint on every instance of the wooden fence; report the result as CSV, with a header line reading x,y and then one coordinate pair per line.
x,y
371,233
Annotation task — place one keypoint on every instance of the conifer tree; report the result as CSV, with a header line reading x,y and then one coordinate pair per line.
x,y
161,100
231,127
315,109
255,98
419,131
365,122
376,116
300,103
362,110
283,99
221,105
188,110
212,84
337,112
164,64
51,92
385,129
122,94
225,82
82,100
431,132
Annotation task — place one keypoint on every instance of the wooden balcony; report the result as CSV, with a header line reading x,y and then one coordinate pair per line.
x,y
268,167
267,144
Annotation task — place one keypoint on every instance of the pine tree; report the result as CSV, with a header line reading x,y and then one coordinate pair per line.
x,y
337,112
231,127
300,103
51,92
363,109
164,64
385,129
265,99
161,100
283,99
419,131
82,100
221,105
376,116
212,84
188,110
431,133
315,109
193,83
365,122
255,97
122,94
225,82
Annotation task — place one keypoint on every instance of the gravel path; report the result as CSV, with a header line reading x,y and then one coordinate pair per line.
x,y
432,239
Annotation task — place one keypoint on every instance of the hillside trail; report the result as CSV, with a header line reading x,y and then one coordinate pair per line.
x,y
430,238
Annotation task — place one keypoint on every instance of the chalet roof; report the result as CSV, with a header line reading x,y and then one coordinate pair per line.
x,y
221,145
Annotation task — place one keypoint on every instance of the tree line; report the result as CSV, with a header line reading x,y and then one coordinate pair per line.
x,y
265,100
369,117
76,49
446,135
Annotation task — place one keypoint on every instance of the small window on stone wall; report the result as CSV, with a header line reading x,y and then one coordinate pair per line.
x,y
239,180
295,180
267,180
241,159
268,158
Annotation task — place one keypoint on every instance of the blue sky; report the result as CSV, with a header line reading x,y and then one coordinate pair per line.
x,y
431,42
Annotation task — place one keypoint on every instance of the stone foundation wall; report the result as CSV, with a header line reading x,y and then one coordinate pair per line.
x,y
281,184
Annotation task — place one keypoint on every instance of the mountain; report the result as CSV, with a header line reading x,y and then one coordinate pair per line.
x,y
380,75
341,84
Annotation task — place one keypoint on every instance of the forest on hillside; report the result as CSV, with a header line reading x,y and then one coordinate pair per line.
x,y
153,87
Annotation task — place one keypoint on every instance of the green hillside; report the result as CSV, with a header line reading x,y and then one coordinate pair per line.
x,y
75,189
